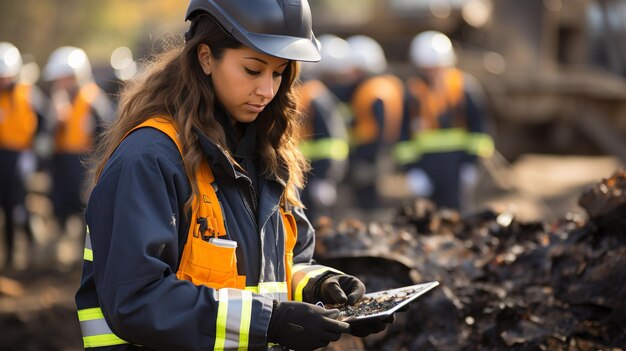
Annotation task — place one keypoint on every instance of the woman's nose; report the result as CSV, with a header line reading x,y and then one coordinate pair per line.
x,y
266,87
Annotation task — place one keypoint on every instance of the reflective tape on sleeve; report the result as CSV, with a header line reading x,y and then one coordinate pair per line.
x,y
95,330
301,275
234,315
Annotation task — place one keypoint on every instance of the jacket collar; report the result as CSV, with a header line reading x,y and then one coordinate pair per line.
x,y
216,155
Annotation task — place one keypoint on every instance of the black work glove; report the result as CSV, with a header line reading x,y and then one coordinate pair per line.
x,y
366,328
341,289
303,326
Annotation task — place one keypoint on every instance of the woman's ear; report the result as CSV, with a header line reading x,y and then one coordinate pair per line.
x,y
204,57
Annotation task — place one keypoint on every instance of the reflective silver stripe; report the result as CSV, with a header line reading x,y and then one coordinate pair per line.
x,y
273,290
95,327
233,321
95,330
88,241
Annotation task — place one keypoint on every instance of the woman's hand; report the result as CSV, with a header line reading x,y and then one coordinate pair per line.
x,y
341,289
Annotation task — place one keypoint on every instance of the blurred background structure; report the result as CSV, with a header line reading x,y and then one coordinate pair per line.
x,y
552,78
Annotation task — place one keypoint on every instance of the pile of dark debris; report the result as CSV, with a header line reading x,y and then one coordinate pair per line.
x,y
505,284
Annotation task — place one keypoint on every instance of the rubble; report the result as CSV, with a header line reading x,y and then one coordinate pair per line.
x,y
505,284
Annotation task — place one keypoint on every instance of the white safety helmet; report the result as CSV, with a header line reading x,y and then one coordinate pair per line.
x,y
369,55
432,49
337,55
68,61
10,60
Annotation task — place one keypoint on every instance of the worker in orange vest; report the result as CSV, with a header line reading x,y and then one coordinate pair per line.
x,y
324,140
445,130
376,100
82,109
22,111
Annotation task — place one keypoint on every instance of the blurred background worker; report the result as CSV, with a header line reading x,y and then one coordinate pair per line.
x,y
324,141
376,101
22,108
445,129
82,109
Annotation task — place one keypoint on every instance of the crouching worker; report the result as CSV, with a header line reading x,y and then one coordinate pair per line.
x,y
196,239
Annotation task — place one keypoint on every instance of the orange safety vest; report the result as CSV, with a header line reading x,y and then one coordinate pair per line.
x,y
390,90
18,121
433,103
309,91
74,134
204,262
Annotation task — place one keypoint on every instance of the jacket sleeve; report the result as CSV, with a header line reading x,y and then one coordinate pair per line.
x,y
134,219
306,274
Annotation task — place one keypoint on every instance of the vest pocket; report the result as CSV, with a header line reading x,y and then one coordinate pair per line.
x,y
212,265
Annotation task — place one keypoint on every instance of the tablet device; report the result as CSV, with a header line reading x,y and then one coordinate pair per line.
x,y
381,304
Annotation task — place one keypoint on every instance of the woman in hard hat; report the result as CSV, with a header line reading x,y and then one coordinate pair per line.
x,y
196,238
82,109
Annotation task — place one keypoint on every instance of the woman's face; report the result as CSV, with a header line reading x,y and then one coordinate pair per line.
x,y
245,81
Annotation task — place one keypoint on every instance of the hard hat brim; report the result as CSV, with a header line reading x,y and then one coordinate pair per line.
x,y
290,48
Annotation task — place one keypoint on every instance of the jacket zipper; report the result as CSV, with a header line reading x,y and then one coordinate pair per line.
x,y
216,188
246,203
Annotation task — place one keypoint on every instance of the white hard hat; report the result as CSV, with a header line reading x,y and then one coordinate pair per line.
x,y
369,55
337,55
432,49
10,60
68,61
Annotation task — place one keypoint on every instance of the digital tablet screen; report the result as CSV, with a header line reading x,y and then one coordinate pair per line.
x,y
381,304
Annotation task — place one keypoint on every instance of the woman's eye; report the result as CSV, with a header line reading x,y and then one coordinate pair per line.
x,y
277,74
251,72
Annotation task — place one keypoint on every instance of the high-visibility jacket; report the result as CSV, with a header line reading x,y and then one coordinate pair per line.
x,y
18,119
155,275
325,139
76,125
377,106
442,121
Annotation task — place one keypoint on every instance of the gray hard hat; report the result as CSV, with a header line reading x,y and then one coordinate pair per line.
x,y
280,28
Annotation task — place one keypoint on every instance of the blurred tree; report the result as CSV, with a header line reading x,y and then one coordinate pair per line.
x,y
40,26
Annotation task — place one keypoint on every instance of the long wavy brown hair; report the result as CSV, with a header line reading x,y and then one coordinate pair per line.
x,y
175,86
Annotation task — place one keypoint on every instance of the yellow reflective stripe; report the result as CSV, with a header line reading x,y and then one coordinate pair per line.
x,y
102,340
275,290
268,288
96,332
88,314
327,148
480,144
405,152
220,324
246,318
441,140
254,289
88,255
300,283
